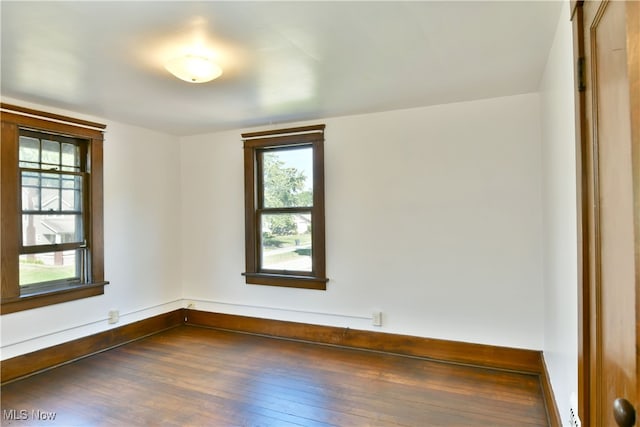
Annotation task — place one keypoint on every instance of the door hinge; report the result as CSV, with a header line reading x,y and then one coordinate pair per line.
x,y
581,75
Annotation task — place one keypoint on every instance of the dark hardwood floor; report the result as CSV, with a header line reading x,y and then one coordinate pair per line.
x,y
191,376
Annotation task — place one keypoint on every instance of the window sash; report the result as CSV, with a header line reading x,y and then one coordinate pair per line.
x,y
63,141
261,210
77,186
260,235
80,211
55,179
79,276
260,169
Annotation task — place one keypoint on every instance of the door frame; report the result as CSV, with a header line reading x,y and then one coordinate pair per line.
x,y
587,337
584,301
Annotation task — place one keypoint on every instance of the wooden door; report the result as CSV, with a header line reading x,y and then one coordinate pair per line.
x,y
607,44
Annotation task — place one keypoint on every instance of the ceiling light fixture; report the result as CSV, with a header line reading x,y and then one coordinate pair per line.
x,y
194,68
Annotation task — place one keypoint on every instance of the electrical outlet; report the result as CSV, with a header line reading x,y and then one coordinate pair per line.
x,y
377,318
114,316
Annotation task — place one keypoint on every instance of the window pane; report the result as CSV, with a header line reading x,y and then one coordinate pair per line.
x,y
29,151
51,152
288,177
30,198
45,267
70,155
31,179
50,199
51,229
71,200
286,242
50,180
30,191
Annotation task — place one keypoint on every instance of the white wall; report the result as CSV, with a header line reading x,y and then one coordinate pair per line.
x,y
559,217
432,214
142,231
433,217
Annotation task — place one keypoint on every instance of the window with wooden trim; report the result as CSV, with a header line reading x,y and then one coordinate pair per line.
x,y
284,207
51,236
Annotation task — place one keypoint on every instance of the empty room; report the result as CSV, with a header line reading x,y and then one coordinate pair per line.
x,y
329,213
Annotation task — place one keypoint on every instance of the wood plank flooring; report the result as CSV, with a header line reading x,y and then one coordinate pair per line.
x,y
191,376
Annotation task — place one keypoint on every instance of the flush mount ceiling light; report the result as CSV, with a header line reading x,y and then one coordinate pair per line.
x,y
194,68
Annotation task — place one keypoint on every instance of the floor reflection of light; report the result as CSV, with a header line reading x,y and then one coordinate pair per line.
x,y
286,391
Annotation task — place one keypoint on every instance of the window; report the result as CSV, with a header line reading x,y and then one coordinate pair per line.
x,y
51,236
284,207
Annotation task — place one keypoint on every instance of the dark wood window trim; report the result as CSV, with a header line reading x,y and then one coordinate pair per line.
x,y
254,143
12,119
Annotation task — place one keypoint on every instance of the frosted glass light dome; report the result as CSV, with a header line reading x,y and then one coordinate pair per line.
x,y
194,68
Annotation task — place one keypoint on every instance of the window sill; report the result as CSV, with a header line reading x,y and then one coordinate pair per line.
x,y
285,280
52,296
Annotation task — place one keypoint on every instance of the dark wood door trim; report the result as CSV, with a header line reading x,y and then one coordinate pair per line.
x,y
582,165
585,18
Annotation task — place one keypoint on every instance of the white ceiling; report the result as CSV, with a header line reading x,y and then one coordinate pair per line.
x,y
283,61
